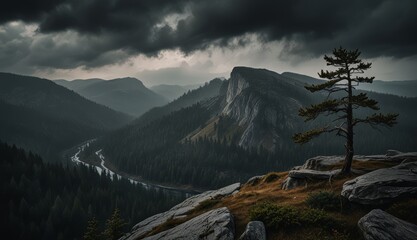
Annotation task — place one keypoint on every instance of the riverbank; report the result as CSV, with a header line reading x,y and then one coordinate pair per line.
x,y
102,167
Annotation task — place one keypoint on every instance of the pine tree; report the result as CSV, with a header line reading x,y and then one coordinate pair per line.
x,y
92,233
114,226
343,79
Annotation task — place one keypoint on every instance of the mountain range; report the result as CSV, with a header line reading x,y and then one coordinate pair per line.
x,y
127,95
242,128
172,92
46,118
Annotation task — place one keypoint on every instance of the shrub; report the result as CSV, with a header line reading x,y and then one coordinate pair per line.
x,y
287,217
324,200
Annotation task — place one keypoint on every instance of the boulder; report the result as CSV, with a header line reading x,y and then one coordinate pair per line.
x,y
300,177
178,211
378,224
383,185
216,224
255,230
254,180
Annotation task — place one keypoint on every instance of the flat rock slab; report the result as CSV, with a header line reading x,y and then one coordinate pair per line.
x,y
178,211
299,177
382,185
312,174
255,230
322,162
216,224
377,225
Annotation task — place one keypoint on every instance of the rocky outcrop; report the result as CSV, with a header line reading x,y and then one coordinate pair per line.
x,y
178,211
323,162
382,185
255,230
315,168
378,225
254,180
300,177
216,224
262,104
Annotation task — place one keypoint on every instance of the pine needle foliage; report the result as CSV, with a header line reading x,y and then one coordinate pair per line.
x,y
114,227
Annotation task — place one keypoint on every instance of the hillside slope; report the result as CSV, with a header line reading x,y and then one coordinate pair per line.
x,y
127,95
46,118
316,209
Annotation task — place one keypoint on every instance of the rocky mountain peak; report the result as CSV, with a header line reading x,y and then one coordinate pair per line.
x,y
256,100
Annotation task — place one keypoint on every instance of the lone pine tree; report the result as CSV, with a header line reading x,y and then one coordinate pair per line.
x,y
343,79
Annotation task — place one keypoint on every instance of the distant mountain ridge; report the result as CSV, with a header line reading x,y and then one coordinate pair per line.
x,y
47,118
406,88
209,90
127,95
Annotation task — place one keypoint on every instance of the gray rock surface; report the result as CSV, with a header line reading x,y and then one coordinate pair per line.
x,y
377,225
300,177
382,185
323,162
216,224
255,230
392,152
314,168
178,211
254,180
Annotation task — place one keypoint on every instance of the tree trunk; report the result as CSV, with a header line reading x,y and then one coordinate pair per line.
x,y
349,121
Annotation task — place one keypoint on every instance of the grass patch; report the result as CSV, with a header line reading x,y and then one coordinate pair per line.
x,y
324,200
288,217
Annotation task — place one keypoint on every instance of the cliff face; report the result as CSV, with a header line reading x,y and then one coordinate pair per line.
x,y
264,104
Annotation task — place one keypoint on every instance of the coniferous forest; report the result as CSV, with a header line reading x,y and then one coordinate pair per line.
x,y
55,201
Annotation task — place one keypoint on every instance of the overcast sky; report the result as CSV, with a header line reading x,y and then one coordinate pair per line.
x,y
190,41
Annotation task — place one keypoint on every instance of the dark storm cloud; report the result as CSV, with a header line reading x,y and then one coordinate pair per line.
x,y
377,27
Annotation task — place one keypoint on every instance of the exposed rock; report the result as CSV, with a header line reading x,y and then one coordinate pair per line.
x,y
178,211
392,152
315,168
255,230
378,225
382,185
300,177
312,174
291,183
216,224
323,162
262,103
254,180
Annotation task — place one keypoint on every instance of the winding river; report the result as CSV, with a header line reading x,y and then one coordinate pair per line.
x,y
103,169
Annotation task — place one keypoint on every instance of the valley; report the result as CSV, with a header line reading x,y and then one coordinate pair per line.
x,y
101,168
